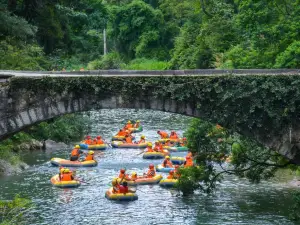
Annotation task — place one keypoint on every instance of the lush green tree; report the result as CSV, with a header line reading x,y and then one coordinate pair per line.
x,y
212,145
136,28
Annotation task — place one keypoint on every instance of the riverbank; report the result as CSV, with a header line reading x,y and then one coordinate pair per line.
x,y
47,136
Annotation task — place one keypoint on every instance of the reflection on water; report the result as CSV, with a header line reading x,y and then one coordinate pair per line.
x,y
234,202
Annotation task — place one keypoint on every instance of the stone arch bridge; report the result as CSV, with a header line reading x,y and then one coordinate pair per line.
x,y
261,104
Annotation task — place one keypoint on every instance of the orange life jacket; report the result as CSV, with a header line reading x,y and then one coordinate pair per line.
x,y
75,152
189,163
121,133
100,142
174,136
128,140
151,173
67,176
124,176
94,142
170,176
89,157
149,149
163,135
127,126
88,141
136,125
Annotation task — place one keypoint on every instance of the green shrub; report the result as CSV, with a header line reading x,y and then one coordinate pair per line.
x,y
17,211
290,58
146,64
110,61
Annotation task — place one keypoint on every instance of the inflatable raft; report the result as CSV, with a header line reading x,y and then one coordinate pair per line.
x,y
160,168
168,183
68,163
143,180
120,144
120,138
136,130
93,147
120,197
155,155
64,184
173,141
177,160
176,149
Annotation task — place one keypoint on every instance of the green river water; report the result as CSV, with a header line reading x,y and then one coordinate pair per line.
x,y
235,201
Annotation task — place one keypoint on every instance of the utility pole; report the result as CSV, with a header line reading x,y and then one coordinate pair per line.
x,y
104,42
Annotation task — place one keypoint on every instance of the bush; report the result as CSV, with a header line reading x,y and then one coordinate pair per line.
x,y
21,56
110,61
146,64
290,58
65,129
16,211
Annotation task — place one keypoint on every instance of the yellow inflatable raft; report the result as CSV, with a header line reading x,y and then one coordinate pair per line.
x,y
64,184
68,163
120,144
143,180
169,183
93,147
121,197
118,138
155,155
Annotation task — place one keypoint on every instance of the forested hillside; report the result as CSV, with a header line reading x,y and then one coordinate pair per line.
x,y
149,34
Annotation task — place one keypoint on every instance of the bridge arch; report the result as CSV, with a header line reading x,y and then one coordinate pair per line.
x,y
265,108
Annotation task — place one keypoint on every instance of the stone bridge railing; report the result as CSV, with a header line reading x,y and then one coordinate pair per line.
x,y
197,72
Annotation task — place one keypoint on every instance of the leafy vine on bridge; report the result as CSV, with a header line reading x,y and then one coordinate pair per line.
x,y
263,105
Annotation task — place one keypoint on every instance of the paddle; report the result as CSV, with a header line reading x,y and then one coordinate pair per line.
x,y
141,153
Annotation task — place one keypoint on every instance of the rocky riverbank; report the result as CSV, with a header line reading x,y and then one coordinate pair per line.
x,y
10,167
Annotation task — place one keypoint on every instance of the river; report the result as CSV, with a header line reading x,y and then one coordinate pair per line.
x,y
235,201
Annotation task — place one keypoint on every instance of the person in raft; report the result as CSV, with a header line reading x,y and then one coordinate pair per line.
x,y
121,132
163,134
128,139
133,176
89,156
137,124
142,140
75,153
169,143
151,172
149,147
188,162
67,175
61,169
123,175
88,140
171,175
176,172
99,140
167,162
158,147
128,125
115,185
173,135
123,188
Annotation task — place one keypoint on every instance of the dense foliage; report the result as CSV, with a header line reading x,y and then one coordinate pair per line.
x,y
17,211
213,145
63,129
186,34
